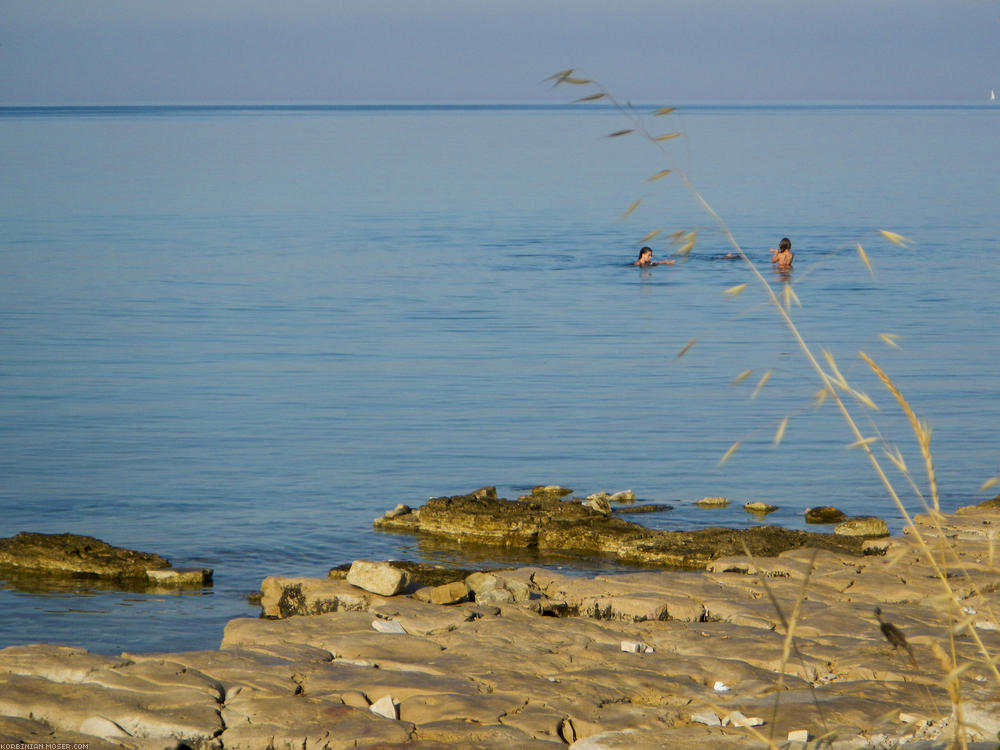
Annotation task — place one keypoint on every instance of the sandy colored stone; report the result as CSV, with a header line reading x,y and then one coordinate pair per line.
x,y
377,577
447,593
712,502
759,508
284,597
867,526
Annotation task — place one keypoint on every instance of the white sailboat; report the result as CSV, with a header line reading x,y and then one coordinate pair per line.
x,y
993,95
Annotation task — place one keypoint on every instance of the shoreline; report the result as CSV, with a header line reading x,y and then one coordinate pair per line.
x,y
606,661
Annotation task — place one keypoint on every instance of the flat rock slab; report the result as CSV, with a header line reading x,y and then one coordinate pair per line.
x,y
553,525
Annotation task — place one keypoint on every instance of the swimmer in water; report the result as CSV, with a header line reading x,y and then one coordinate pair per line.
x,y
782,256
646,259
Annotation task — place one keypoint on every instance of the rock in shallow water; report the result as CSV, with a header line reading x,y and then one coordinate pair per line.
x,y
552,525
74,555
824,514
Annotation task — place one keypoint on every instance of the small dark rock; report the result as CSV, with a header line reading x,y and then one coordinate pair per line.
x,y
824,514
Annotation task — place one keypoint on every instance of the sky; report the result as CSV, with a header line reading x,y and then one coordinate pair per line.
x,y
330,51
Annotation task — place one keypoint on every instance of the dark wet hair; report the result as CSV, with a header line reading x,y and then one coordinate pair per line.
x,y
785,244
643,250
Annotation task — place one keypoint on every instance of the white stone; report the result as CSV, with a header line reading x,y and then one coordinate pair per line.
x,y
388,626
985,625
707,717
385,707
798,735
720,687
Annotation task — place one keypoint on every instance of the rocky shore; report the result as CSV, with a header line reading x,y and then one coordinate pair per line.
x,y
783,650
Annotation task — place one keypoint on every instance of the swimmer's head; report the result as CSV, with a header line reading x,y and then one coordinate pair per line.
x,y
785,244
645,253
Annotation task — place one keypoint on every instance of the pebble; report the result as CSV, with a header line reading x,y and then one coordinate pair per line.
x,y
720,687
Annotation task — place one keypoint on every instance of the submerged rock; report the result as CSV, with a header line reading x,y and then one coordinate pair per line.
x,y
552,525
84,556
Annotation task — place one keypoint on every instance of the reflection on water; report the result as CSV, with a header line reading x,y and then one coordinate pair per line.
x,y
47,583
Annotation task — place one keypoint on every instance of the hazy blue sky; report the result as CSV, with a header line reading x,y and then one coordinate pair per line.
x,y
111,51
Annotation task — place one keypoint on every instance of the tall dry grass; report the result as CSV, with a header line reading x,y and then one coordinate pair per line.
x,y
655,127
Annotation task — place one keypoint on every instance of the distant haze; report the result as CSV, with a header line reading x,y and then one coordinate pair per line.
x,y
140,51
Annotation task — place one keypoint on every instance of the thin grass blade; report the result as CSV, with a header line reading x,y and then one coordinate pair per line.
x,y
895,239
729,453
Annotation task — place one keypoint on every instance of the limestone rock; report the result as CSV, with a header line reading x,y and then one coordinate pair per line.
x,y
172,577
285,597
377,577
562,526
824,514
495,596
448,593
759,508
712,502
549,491
600,504
77,555
385,707
865,526
399,510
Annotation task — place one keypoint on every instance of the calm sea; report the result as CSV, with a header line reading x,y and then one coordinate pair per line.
x,y
236,335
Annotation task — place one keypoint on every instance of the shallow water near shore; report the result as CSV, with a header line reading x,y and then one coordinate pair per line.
x,y
234,336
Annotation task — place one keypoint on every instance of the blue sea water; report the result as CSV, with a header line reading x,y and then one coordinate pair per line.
x,y
236,335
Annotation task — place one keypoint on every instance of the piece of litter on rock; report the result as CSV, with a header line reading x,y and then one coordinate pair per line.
x,y
739,719
385,707
798,735
720,687
985,625
707,717
388,626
